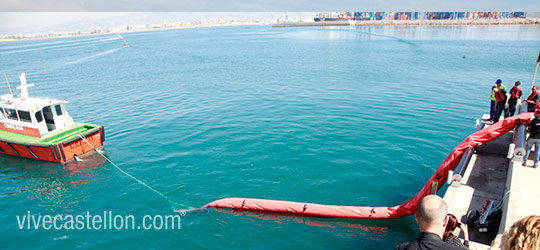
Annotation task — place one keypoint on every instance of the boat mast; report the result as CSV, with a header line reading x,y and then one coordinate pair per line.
x,y
535,70
24,86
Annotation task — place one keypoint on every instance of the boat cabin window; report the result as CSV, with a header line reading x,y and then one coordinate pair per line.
x,y
49,120
58,109
24,116
39,116
2,112
11,114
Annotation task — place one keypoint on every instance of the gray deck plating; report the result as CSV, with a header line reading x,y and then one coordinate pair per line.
x,y
484,179
490,175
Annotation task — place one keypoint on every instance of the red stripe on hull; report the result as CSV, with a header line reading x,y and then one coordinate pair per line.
x,y
18,129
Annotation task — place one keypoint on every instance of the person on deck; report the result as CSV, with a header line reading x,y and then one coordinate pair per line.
x,y
502,102
537,104
532,98
452,229
493,106
524,234
515,96
534,138
432,220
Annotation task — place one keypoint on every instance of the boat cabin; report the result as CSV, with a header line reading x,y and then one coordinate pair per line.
x,y
32,116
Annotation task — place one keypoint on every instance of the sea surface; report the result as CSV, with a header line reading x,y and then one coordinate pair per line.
x,y
333,115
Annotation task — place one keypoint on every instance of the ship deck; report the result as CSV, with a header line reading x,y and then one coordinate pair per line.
x,y
491,175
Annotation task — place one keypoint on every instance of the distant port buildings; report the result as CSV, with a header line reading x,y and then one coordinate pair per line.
x,y
417,18
362,16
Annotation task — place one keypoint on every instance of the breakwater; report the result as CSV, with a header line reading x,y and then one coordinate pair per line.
x,y
513,21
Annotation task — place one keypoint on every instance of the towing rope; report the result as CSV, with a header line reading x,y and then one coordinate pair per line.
x,y
174,204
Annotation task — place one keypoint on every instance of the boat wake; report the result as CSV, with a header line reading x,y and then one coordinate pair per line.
x,y
77,61
399,39
48,46
91,57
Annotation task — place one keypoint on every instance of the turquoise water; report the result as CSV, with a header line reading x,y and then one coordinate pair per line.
x,y
346,116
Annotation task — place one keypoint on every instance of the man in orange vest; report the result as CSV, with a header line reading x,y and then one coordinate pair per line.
x,y
493,106
515,96
532,99
502,102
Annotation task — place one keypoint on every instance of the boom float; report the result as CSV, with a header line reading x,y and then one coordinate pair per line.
x,y
366,212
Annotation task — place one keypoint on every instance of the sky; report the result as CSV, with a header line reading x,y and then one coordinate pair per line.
x,y
31,16
267,5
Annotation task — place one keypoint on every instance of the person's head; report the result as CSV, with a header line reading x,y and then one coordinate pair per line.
x,y
523,234
451,225
498,82
535,88
517,83
431,215
537,112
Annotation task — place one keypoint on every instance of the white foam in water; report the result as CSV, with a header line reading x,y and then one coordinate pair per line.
x,y
77,158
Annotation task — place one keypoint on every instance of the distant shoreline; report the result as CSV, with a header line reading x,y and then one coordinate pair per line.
x,y
128,31
450,22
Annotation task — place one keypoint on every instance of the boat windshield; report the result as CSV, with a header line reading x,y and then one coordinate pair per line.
x,y
14,114
11,114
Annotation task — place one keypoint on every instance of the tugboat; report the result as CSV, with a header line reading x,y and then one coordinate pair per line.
x,y
42,129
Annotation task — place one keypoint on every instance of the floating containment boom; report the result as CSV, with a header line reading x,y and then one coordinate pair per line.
x,y
366,212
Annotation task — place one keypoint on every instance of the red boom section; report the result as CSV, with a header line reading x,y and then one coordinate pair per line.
x,y
365,212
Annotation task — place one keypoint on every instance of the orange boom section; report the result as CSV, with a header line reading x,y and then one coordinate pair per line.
x,y
366,212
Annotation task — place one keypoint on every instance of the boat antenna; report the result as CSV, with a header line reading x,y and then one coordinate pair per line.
x,y
11,92
24,86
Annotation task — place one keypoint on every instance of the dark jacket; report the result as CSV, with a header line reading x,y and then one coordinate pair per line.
x,y
534,128
428,241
